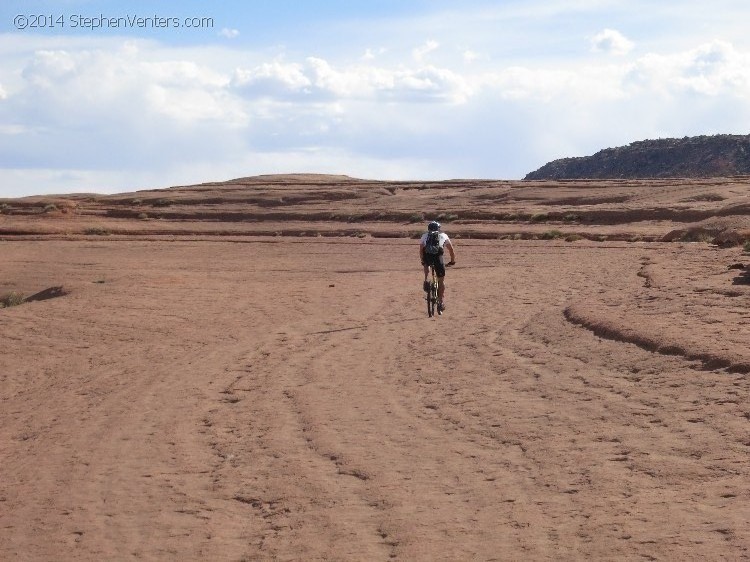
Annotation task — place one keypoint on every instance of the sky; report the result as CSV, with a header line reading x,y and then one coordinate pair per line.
x,y
107,97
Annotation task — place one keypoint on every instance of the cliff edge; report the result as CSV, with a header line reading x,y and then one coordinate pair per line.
x,y
688,157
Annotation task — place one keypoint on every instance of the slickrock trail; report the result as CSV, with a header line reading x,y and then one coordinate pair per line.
x,y
288,399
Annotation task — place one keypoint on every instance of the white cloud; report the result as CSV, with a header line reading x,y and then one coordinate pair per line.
x,y
371,54
422,51
612,42
276,78
357,81
229,33
433,84
712,70
470,56
74,84
317,79
195,104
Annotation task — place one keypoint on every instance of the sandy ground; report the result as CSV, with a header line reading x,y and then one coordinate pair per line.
x,y
289,399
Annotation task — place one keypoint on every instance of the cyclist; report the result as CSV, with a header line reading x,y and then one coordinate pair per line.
x,y
431,253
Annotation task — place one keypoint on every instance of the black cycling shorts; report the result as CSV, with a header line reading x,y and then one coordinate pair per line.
x,y
431,259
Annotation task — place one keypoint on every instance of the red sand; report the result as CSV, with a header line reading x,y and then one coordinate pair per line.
x,y
289,399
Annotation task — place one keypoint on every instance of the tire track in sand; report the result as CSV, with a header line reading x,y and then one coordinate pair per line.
x,y
352,446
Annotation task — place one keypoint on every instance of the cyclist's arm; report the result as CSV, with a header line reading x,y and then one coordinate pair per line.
x,y
450,251
421,253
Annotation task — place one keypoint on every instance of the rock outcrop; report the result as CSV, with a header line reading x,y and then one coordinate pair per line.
x,y
688,157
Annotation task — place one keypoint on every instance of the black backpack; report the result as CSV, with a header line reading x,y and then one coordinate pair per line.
x,y
432,245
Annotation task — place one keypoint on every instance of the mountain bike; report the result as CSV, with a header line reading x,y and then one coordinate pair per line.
x,y
432,293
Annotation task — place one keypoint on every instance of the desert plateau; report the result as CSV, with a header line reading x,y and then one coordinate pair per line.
x,y
245,370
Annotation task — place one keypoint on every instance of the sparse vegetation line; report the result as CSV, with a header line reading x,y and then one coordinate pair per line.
x,y
640,211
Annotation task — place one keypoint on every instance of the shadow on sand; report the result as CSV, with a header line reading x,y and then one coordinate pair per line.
x,y
46,294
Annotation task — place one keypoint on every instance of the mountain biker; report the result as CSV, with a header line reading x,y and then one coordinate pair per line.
x,y
431,253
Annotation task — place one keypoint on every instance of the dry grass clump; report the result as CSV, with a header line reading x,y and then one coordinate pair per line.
x,y
12,299
97,231
551,235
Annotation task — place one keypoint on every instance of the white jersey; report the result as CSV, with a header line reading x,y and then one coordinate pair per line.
x,y
442,239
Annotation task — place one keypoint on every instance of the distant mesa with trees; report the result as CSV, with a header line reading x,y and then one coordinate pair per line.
x,y
688,157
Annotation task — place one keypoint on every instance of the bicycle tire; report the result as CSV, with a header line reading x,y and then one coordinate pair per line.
x,y
432,294
428,298
434,298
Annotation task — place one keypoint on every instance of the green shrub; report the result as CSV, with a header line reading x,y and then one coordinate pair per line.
x,y
746,246
539,217
551,235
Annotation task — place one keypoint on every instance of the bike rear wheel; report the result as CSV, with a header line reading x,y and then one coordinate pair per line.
x,y
428,298
432,295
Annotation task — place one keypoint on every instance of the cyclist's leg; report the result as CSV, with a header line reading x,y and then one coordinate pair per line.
x,y
440,271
